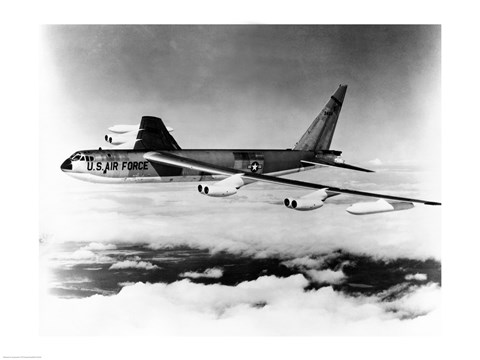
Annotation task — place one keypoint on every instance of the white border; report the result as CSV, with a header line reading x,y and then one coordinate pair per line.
x,y
19,265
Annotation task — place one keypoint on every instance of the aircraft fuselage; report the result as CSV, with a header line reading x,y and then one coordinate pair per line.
x,y
120,166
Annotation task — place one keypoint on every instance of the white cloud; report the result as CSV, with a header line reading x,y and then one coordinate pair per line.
x,y
265,306
313,262
81,255
327,276
417,276
133,264
95,246
313,268
215,273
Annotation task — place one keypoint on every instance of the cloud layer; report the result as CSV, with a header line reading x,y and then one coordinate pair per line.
x,y
253,222
266,306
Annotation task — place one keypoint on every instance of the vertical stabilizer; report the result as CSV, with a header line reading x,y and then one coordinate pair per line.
x,y
153,135
320,133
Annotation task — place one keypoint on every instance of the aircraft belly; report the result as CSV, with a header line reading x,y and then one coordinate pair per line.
x,y
89,177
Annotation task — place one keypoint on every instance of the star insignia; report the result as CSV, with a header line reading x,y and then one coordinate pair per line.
x,y
255,166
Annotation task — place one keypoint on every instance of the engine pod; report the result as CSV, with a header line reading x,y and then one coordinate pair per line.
x,y
310,201
216,191
380,206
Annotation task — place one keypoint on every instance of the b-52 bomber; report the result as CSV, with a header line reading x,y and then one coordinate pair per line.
x,y
155,156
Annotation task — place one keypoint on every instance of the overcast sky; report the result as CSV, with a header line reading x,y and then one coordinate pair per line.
x,y
247,86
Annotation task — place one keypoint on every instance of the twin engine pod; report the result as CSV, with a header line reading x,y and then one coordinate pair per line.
x,y
216,191
225,187
119,139
310,201
116,140
303,204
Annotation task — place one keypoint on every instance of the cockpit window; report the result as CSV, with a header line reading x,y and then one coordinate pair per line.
x,y
82,157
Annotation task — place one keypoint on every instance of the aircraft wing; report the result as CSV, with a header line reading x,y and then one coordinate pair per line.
x,y
334,164
164,158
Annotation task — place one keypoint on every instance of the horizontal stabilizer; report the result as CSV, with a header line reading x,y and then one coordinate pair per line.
x,y
334,164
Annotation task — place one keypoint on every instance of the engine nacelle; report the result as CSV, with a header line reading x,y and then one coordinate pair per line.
x,y
310,201
216,190
115,140
303,204
118,139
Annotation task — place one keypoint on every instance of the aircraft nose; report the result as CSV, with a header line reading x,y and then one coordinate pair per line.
x,y
66,165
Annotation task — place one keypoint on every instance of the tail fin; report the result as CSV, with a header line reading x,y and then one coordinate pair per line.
x,y
153,135
320,133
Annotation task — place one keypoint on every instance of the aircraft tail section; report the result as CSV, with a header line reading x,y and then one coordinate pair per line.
x,y
153,135
320,133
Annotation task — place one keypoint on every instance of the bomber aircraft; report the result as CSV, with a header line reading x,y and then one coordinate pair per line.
x,y
154,156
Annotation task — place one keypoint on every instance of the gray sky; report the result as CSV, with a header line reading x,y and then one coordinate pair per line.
x,y
249,86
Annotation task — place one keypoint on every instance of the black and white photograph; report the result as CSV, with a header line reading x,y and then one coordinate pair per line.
x,y
240,180
223,180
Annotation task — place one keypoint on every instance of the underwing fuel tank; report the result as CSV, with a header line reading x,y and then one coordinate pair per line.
x,y
380,206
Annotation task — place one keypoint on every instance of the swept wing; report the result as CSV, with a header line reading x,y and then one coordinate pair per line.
x,y
165,158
